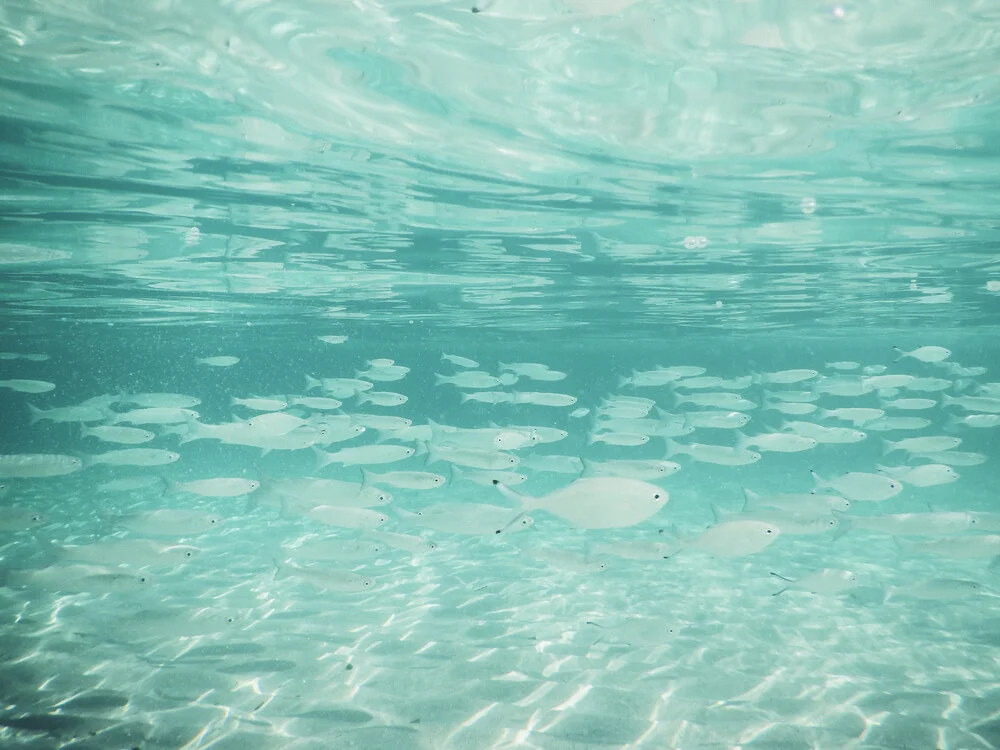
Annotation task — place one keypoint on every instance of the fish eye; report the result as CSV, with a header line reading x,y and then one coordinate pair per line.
x,y
656,496
212,521
189,553
230,620
142,579
36,519
432,545
769,531
512,461
603,566
367,583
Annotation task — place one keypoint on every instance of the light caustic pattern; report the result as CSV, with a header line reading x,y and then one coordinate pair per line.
x,y
347,566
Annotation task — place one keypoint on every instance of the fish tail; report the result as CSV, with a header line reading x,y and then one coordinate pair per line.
x,y
367,478
588,467
718,514
947,399
888,447
440,379
433,453
322,457
524,503
820,482
952,423
900,352
750,499
673,447
624,381
592,437
456,473
312,382
36,413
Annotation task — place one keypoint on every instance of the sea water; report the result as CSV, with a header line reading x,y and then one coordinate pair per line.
x,y
600,188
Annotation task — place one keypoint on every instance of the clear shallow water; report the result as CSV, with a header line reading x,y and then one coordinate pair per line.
x,y
600,187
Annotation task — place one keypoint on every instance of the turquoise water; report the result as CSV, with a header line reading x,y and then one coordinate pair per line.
x,y
759,191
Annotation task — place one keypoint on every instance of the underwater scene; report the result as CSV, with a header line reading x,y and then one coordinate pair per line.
x,y
494,374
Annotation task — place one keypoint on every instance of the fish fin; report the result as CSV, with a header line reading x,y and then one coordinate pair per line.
x,y
889,593
592,438
673,447
588,467
888,447
279,569
673,533
433,453
742,441
170,487
524,503
36,413
778,575
718,514
751,499
843,525
820,482
366,478
952,423
322,457
456,473
780,591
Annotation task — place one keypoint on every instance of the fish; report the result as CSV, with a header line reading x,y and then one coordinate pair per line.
x,y
383,371
930,444
381,398
617,438
566,560
858,415
215,487
467,518
721,400
811,502
637,549
842,385
540,434
79,578
887,424
887,381
155,415
221,361
417,545
715,454
344,581
67,414
987,404
158,400
966,547
861,487
28,386
134,457
256,403
927,475
936,589
316,547
471,457
826,435
543,398
169,522
14,518
732,538
924,353
914,524
33,465
632,468
785,376
779,442
459,361
347,517
552,463
910,404
977,421
792,523
134,552
364,455
928,385
411,480
333,339
129,484
381,422
118,434
303,493
485,478
595,502
475,379
790,408
320,403
952,458
824,581
723,420
339,387
488,397
843,365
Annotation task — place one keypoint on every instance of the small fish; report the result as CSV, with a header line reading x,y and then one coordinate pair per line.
x,y
381,422
778,442
217,361
554,464
825,581
365,454
347,517
488,397
565,560
579,413
383,371
475,379
927,475
344,581
793,523
156,415
843,365
796,502
953,458
134,457
888,381
722,400
928,385
966,547
339,387
332,339
216,487
13,518
135,552
924,353
129,484
29,465
715,454
932,444
596,503
28,386
936,589
411,480
381,398
300,494
915,524
988,404
617,438
860,486
418,545
159,400
478,519
116,434
822,434
785,376
977,421
790,408
634,469
734,538
525,369
316,547
538,434
320,403
858,415
273,424
79,578
888,424
169,522
67,414
636,549
471,457
543,398
722,420
486,478
459,361
842,385
259,404
910,404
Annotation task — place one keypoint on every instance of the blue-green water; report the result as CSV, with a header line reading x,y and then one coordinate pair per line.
x,y
606,187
